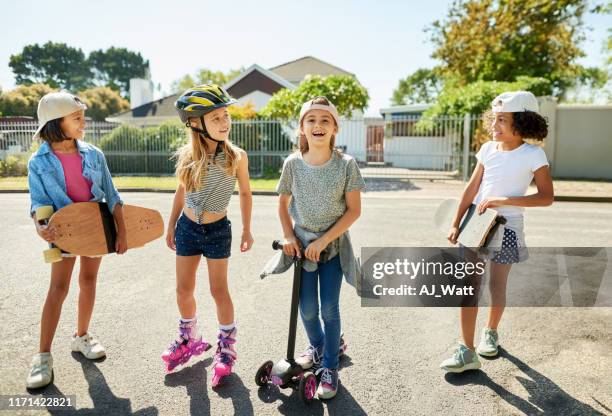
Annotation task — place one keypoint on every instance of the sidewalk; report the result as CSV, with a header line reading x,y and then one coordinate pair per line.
x,y
565,190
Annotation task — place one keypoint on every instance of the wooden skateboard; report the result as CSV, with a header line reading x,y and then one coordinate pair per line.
x,y
475,230
88,228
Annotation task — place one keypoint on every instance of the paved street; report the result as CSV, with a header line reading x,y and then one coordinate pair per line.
x,y
555,361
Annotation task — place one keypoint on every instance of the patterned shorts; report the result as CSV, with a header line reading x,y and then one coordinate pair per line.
x,y
213,240
509,251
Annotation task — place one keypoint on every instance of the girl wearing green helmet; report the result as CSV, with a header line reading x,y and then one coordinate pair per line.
x,y
207,169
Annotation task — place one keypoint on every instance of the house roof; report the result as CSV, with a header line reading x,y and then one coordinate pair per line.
x,y
295,71
256,68
287,75
164,107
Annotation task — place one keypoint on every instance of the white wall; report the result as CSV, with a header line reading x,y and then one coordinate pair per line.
x,y
428,153
352,134
141,92
258,98
583,143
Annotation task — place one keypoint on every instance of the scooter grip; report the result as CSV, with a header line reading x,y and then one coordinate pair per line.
x,y
277,245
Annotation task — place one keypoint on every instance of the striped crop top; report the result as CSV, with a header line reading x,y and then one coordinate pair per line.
x,y
215,190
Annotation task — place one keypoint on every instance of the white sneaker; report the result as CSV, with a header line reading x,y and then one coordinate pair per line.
x,y
41,371
88,345
489,343
462,360
311,357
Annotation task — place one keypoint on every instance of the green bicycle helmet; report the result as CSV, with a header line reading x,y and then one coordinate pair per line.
x,y
197,101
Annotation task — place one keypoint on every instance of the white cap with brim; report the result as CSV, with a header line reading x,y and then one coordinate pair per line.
x,y
515,102
56,105
309,105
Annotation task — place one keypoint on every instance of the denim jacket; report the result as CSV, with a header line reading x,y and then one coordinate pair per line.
x,y
48,186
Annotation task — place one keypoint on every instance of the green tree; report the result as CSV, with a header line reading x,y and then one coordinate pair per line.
x,y
115,66
55,64
344,91
422,86
476,97
498,40
205,76
102,102
23,100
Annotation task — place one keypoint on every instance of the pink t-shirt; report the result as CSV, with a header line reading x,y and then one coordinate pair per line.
x,y
78,187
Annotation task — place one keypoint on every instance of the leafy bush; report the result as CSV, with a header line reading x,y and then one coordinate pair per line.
x,y
14,166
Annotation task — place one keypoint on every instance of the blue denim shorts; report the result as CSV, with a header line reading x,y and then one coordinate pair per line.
x,y
213,240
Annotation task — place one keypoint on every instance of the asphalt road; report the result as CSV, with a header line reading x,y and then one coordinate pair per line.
x,y
555,361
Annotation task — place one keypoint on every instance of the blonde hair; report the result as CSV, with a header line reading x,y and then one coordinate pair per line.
x,y
192,160
303,141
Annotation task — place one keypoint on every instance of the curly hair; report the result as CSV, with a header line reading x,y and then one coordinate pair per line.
x,y
527,124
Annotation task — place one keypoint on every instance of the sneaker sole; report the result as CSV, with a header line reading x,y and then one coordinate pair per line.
x,y
473,366
487,354
97,357
327,397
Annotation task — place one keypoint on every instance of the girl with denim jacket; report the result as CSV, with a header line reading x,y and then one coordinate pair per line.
x,y
65,170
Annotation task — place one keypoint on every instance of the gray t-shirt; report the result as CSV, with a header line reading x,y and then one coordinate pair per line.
x,y
318,191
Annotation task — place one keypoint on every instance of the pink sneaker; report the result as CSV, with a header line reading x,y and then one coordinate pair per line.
x,y
225,356
189,343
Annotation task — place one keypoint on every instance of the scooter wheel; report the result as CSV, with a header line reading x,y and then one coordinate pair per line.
x,y
263,374
308,387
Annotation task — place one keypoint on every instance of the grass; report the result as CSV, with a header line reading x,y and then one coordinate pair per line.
x,y
126,182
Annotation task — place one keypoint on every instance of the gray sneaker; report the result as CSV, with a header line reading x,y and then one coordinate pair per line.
x,y
489,342
463,359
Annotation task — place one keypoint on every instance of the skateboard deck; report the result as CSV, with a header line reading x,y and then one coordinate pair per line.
x,y
88,228
475,230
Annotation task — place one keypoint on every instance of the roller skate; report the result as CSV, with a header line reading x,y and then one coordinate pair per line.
x,y
189,343
225,356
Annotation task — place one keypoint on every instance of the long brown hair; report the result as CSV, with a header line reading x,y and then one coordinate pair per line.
x,y
303,141
192,160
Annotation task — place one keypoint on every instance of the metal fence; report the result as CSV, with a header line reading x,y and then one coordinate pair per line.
x,y
398,147
417,148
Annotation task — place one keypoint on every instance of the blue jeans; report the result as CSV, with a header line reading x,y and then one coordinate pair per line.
x,y
329,275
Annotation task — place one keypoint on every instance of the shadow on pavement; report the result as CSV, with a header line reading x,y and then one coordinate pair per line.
x,y
194,378
545,397
233,388
389,184
343,404
104,401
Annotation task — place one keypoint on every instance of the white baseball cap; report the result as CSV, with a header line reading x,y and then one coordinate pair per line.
x,y
515,102
56,105
310,105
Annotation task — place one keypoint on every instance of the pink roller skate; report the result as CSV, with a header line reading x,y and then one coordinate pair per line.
x,y
224,357
189,343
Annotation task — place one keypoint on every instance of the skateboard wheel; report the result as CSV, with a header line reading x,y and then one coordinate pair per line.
x,y
44,212
52,255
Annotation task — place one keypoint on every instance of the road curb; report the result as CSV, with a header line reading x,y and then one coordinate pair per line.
x,y
558,198
161,191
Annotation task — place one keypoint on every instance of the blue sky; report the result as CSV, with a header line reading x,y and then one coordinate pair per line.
x,y
379,41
